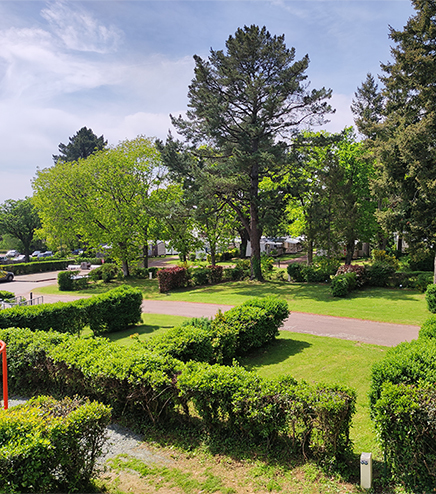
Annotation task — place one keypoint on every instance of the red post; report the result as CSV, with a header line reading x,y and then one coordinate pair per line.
x,y
5,374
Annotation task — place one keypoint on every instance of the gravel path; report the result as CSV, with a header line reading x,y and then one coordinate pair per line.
x,y
120,440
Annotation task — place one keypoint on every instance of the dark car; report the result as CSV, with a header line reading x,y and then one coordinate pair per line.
x,y
6,275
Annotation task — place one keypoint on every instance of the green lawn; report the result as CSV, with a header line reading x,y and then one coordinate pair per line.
x,y
374,304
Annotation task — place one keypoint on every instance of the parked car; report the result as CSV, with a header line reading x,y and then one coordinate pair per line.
x,y
49,253
36,253
6,275
12,253
19,258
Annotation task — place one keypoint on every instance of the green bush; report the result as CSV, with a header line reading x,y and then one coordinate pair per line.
x,y
111,311
277,308
295,271
200,276
51,446
412,279
115,310
184,343
343,284
36,267
406,428
428,329
5,295
379,273
430,298
314,419
359,271
381,256
65,280
106,272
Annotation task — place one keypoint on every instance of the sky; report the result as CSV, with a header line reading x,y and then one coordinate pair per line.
x,y
121,67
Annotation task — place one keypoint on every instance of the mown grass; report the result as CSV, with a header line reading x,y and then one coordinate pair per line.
x,y
374,304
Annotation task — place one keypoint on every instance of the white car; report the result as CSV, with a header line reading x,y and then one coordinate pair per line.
x,y
21,257
12,253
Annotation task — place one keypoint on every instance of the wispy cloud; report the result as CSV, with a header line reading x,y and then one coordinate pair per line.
x,y
79,30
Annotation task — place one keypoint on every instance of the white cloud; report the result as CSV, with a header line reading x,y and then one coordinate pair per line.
x,y
79,30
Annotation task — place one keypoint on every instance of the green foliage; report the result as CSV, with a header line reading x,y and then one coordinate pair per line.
x,y
408,363
383,257
111,311
184,343
379,273
106,272
428,329
318,272
276,308
341,284
35,267
115,310
295,271
406,427
200,276
359,271
67,283
315,419
430,298
412,279
83,143
5,295
51,446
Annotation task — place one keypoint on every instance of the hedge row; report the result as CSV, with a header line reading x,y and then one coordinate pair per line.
x,y
142,383
51,446
36,267
112,311
403,402
232,333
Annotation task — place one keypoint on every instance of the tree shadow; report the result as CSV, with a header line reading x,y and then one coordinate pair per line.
x,y
276,352
142,329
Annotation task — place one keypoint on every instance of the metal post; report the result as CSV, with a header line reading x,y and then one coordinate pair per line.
x,y
5,374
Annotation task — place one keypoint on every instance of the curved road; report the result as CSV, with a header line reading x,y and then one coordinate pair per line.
x,y
377,333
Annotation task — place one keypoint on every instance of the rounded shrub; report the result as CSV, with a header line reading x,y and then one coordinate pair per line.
x,y
379,273
295,271
5,295
428,329
430,298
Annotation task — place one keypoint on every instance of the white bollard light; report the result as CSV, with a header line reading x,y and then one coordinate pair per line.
x,y
366,470
150,275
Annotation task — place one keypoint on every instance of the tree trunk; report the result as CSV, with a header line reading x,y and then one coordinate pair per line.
x,y
310,252
434,269
213,256
244,242
145,255
125,266
350,252
255,234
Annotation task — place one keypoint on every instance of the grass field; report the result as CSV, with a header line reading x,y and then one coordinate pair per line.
x,y
375,304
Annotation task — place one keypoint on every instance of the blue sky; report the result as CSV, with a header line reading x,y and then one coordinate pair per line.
x,y
121,67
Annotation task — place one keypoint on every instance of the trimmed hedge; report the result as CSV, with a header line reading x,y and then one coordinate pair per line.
x,y
142,384
343,284
5,295
66,281
314,419
112,311
430,298
51,446
428,329
36,267
171,278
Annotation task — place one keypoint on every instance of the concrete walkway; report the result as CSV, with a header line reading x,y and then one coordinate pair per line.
x,y
377,333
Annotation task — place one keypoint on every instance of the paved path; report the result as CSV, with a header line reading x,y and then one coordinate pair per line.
x,y
338,327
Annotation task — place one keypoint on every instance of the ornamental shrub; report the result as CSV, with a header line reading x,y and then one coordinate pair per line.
x,y
360,271
277,308
215,274
294,270
184,343
405,422
115,310
383,257
428,329
106,272
379,273
171,278
200,276
5,295
343,284
51,446
430,298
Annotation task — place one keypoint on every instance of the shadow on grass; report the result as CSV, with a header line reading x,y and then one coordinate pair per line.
x,y
143,329
278,351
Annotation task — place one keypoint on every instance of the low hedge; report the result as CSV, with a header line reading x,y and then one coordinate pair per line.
x,y
430,298
428,329
51,446
343,284
149,385
36,267
5,295
171,278
112,311
314,419
405,422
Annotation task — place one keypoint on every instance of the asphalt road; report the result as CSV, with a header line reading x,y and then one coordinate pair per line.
x,y
338,327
